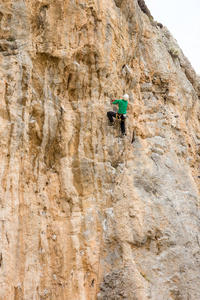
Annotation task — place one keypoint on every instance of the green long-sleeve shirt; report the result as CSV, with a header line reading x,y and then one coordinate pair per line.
x,y
122,104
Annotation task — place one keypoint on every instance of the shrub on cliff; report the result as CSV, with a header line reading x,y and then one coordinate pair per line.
x,y
174,52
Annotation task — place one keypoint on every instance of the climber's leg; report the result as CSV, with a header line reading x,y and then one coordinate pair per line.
x,y
110,115
123,129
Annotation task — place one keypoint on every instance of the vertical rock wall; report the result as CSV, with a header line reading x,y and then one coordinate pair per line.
x,y
85,214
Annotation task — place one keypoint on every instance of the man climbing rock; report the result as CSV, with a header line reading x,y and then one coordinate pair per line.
x,y
121,114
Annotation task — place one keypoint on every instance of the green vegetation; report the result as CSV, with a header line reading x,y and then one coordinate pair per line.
x,y
145,276
11,39
174,52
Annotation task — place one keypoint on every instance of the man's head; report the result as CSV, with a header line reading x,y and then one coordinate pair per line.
x,y
125,97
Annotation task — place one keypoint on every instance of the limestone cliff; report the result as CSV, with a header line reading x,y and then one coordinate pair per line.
x,y
86,214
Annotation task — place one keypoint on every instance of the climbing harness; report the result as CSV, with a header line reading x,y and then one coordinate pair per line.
x,y
121,117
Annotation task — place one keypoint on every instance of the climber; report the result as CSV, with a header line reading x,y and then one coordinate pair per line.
x,y
121,114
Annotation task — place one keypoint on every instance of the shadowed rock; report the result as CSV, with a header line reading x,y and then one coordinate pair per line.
x,y
144,8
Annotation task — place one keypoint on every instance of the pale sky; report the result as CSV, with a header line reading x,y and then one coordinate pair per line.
x,y
182,18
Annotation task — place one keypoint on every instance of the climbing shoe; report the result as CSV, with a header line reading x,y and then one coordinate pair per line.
x,y
112,124
124,134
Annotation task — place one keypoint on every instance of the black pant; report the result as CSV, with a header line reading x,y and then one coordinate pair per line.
x,y
112,114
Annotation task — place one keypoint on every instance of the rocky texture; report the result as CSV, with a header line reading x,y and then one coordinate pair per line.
x,y
144,8
84,213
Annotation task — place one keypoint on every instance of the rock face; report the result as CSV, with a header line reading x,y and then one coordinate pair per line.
x,y
86,214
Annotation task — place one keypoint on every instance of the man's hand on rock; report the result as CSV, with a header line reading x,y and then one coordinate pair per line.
x,y
112,100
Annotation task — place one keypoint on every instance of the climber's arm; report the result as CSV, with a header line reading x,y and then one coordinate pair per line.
x,y
113,100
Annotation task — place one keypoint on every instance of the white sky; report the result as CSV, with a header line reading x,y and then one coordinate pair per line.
x,y
182,18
